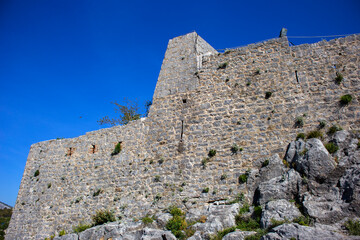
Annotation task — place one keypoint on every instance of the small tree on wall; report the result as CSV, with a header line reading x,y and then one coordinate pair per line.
x,y
127,113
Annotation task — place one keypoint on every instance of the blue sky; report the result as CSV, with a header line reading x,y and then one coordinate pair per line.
x,y
63,62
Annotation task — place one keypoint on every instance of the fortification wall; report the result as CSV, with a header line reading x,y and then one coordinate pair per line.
x,y
160,162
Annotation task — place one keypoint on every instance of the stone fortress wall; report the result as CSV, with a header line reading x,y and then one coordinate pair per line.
x,y
199,104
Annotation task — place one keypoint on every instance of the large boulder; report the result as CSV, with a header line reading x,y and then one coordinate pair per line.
x,y
311,160
131,230
294,150
269,168
218,217
324,210
279,210
283,187
294,230
272,169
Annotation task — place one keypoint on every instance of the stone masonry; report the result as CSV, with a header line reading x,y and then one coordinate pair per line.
x,y
203,100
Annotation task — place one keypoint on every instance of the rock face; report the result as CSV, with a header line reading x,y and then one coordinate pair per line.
x,y
237,235
218,217
283,187
131,231
294,230
312,159
279,210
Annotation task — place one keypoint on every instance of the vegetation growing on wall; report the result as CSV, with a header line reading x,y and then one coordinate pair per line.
x,y
117,149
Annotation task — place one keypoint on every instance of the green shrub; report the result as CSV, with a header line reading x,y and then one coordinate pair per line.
x,y
339,77
250,223
268,95
49,185
246,223
331,147
81,227
147,220
299,122
204,162
322,124
62,233
189,232
205,190
275,223
244,209
157,178
346,99
334,128
37,173
223,65
265,163
314,134
302,220
174,211
103,216
243,178
117,149
234,148
353,227
212,153
300,135
176,225
223,177
257,213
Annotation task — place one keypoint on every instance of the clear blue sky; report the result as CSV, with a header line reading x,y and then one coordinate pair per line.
x,y
62,60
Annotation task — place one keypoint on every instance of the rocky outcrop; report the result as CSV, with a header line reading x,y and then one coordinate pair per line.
x,y
312,159
282,187
120,231
294,230
279,210
237,235
218,217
